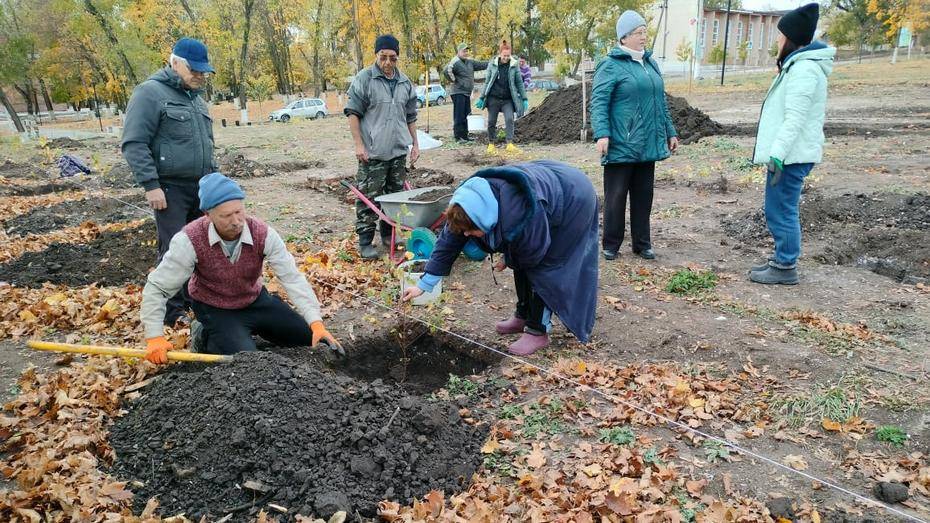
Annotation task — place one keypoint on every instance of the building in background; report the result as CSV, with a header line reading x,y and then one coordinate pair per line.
x,y
689,23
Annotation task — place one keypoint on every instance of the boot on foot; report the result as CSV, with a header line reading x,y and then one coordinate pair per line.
x,y
772,275
492,149
762,266
528,344
512,325
368,252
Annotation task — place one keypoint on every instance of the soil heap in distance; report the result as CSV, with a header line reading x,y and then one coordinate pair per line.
x,y
558,119
321,443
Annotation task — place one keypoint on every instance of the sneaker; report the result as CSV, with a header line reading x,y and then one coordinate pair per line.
x,y
492,149
368,252
646,254
775,276
198,340
511,325
762,267
528,344
610,255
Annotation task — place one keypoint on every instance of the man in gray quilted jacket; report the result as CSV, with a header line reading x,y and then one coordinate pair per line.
x,y
461,72
168,144
382,111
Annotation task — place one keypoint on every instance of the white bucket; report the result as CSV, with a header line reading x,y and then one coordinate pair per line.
x,y
476,123
410,279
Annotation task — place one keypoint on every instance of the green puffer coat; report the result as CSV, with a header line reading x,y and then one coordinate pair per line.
x,y
517,91
791,123
628,106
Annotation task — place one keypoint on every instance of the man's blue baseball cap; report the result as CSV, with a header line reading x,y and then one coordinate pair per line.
x,y
195,52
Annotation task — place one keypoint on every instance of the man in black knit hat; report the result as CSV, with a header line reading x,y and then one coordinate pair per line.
x,y
382,111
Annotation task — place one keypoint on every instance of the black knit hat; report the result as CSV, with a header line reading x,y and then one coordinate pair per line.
x,y
799,25
387,42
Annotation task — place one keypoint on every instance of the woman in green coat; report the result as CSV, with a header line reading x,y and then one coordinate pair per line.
x,y
633,129
790,137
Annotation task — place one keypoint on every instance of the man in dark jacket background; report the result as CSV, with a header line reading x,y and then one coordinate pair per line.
x,y
168,144
461,72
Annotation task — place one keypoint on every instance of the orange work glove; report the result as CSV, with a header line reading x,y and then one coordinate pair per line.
x,y
320,334
156,349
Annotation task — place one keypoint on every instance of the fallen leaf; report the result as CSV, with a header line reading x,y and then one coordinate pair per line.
x,y
831,425
622,505
536,458
794,461
593,470
696,487
490,446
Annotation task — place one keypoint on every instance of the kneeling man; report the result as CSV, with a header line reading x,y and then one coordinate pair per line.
x,y
220,257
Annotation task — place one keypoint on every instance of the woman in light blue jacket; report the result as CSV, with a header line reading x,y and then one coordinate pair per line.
x,y
790,137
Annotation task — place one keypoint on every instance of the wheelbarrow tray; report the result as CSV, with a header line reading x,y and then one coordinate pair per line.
x,y
405,210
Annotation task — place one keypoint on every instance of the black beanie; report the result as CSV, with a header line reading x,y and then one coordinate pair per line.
x,y
799,25
387,42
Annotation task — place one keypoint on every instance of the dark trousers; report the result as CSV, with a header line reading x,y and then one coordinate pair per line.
x,y
530,306
495,107
228,331
461,108
183,208
636,180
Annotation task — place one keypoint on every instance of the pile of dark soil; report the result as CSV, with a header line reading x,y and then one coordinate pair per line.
x,y
113,258
229,439
478,158
432,195
64,143
558,119
118,176
425,177
11,169
236,165
886,233
41,220
37,189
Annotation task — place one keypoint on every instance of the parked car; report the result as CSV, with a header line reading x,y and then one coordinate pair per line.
x,y
546,85
305,107
437,95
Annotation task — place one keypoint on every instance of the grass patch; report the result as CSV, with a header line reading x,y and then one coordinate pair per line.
x,y
617,436
687,281
715,451
500,464
461,386
837,403
544,419
891,434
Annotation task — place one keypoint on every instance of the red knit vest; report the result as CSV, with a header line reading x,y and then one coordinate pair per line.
x,y
217,281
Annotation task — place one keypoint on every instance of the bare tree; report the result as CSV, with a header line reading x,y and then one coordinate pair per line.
x,y
247,8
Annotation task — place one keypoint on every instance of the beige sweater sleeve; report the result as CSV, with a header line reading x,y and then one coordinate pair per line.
x,y
165,281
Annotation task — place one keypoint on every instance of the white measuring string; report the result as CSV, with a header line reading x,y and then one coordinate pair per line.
x,y
617,399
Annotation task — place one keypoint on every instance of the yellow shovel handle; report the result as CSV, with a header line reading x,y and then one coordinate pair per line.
x,y
124,352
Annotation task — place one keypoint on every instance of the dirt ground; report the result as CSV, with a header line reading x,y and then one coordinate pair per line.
x,y
855,332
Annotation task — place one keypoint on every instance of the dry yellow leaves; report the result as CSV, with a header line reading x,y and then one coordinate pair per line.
x,y
794,461
593,470
537,458
490,446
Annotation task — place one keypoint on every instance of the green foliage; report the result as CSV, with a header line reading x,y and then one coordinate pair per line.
x,y
684,51
743,51
773,50
839,403
716,55
499,463
687,281
722,4
260,88
511,411
461,386
891,434
543,419
715,450
617,436
651,456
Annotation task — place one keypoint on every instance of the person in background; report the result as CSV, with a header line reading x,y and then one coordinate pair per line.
x,y
790,137
219,258
527,74
503,93
461,72
382,112
633,130
168,144
543,217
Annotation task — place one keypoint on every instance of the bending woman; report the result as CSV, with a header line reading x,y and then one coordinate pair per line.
x,y
542,216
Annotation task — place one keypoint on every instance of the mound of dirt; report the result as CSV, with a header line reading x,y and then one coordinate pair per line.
x,y
113,258
477,158
41,220
37,189
118,176
11,169
236,165
425,177
229,439
886,233
558,119
64,143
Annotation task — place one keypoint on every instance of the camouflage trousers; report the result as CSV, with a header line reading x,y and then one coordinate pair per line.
x,y
375,178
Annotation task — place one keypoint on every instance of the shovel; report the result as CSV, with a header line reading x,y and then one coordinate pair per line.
x,y
124,352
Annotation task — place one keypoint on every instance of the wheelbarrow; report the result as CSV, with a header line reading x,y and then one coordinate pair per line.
x,y
422,218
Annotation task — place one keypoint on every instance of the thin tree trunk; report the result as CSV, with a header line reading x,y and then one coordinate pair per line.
x,y
359,60
187,9
111,36
28,99
11,111
46,97
318,80
244,54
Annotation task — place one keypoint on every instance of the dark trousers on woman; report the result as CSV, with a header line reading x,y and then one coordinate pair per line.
x,y
228,331
636,180
530,307
495,107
